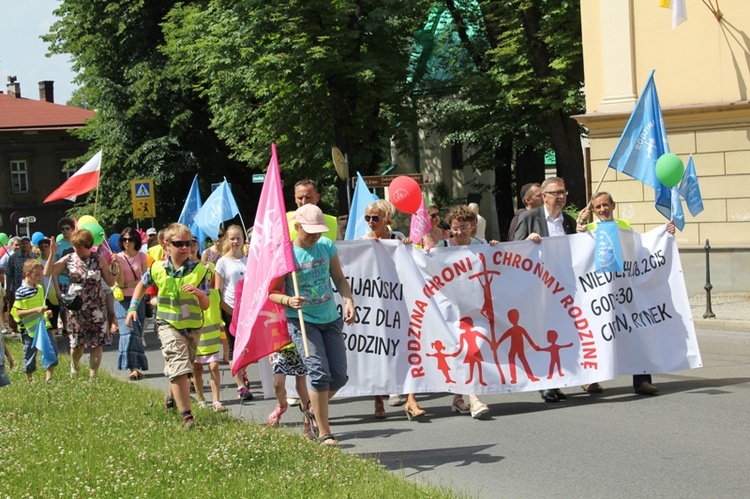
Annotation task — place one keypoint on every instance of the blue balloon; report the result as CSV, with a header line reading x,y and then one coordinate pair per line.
x,y
36,237
114,243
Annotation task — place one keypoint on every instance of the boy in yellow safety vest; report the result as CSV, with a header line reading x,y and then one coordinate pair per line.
x,y
183,289
28,309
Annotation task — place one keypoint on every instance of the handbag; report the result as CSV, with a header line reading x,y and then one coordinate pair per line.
x,y
72,302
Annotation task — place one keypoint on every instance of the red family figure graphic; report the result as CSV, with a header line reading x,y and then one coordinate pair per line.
x,y
442,363
517,334
473,356
554,353
488,311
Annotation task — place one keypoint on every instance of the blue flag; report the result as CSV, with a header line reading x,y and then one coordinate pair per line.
x,y
191,207
608,251
690,190
356,227
678,216
644,141
43,343
219,206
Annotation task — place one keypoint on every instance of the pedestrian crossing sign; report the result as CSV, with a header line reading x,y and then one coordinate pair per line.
x,y
142,193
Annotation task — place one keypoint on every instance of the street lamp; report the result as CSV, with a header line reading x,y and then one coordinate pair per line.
x,y
27,220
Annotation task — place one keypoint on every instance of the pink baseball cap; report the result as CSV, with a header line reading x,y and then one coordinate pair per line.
x,y
311,219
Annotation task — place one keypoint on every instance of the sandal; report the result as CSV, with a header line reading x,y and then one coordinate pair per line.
x,y
307,430
328,440
202,404
379,408
218,407
274,418
413,411
460,407
478,409
307,411
136,376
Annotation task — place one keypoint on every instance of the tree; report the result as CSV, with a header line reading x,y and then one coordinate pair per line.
x,y
308,75
149,122
511,97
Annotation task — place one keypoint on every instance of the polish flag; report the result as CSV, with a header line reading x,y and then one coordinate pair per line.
x,y
82,181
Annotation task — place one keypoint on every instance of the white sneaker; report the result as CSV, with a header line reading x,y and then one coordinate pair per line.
x,y
396,400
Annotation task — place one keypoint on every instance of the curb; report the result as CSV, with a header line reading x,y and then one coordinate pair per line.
x,y
722,325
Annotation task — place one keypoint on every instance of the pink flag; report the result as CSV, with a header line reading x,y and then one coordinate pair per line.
x,y
82,181
420,224
261,325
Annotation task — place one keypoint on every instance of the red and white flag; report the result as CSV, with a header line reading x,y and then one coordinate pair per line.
x,y
261,325
82,181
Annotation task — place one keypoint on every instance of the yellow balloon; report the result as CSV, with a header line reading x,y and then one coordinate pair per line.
x,y
86,219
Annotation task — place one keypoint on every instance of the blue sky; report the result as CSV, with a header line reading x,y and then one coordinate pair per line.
x,y
23,53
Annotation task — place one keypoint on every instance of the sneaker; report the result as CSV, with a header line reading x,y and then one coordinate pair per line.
x,y
244,394
396,400
168,402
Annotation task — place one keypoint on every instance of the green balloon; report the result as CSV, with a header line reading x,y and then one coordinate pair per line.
x,y
59,238
669,169
3,238
96,230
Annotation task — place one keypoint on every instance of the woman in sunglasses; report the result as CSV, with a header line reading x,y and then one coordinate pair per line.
x,y
133,265
436,234
378,215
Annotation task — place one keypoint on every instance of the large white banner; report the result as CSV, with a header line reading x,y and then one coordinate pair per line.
x,y
513,317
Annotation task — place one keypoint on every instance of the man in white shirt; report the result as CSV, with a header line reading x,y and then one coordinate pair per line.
x,y
481,221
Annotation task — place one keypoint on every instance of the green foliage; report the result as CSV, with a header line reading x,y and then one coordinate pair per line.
x,y
75,438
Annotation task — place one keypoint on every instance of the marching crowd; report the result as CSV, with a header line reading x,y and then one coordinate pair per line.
x,y
87,294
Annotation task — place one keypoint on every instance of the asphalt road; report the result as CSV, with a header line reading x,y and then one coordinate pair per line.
x,y
692,440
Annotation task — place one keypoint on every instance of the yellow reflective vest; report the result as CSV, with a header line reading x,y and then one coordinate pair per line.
x,y
178,308
210,341
31,321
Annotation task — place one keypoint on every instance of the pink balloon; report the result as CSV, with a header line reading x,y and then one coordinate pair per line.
x,y
405,194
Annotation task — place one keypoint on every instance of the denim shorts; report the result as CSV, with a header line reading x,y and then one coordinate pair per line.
x,y
326,365
4,379
29,353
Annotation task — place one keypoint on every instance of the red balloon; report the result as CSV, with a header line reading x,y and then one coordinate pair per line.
x,y
405,194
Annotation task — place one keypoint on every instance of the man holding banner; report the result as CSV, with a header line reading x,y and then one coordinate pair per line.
x,y
547,220
603,206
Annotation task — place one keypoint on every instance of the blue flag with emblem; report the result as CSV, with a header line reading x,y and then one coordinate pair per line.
x,y
43,343
678,216
356,227
191,207
219,206
690,190
608,251
644,141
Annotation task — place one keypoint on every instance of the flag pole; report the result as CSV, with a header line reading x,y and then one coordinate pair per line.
x,y
301,318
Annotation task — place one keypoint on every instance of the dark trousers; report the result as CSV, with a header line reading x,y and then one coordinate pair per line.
x,y
638,379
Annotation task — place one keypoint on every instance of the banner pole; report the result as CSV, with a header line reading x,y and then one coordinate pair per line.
x,y
301,318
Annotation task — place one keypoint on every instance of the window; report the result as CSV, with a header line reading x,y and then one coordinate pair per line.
x,y
457,156
19,176
67,170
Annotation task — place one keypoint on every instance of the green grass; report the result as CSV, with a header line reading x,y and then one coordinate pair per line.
x,y
79,438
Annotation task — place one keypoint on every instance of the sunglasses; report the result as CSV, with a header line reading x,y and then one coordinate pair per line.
x,y
181,244
374,218
65,229
127,239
